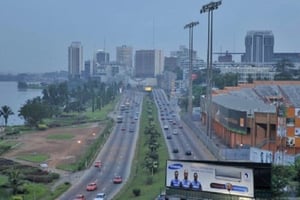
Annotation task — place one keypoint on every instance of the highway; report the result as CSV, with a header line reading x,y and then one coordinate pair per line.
x,y
116,155
185,140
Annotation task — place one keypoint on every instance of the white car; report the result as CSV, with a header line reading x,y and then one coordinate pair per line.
x,y
166,127
175,132
100,196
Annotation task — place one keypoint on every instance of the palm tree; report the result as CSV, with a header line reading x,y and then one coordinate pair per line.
x,y
5,112
14,179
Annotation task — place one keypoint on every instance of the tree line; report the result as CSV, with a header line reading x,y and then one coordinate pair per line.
x,y
64,97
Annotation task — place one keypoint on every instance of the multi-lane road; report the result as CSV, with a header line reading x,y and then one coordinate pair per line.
x,y
182,143
117,153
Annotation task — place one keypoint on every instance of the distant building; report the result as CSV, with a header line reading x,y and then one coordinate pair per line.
x,y
183,61
244,72
101,57
170,62
75,60
124,55
292,57
148,63
227,57
87,72
259,47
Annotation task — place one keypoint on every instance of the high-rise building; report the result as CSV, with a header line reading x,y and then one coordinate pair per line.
x,y
148,63
101,57
259,47
124,55
87,72
75,55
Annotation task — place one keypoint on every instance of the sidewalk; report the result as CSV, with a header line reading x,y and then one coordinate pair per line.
x,y
213,145
67,177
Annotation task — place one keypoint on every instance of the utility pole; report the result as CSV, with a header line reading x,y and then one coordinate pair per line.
x,y
190,26
210,7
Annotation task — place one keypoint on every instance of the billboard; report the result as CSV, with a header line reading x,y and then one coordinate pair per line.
x,y
209,177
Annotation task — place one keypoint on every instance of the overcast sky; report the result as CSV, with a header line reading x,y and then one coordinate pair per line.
x,y
35,34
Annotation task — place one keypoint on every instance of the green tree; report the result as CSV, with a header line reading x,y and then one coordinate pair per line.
x,y
14,179
6,112
34,111
197,92
281,176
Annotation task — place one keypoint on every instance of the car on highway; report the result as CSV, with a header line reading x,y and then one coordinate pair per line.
x,y
117,179
169,137
131,129
166,127
79,197
188,152
175,132
98,164
175,150
91,186
100,196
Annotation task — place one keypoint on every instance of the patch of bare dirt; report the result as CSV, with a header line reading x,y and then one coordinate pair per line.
x,y
60,151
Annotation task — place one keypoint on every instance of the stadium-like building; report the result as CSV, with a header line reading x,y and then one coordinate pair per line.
x,y
265,115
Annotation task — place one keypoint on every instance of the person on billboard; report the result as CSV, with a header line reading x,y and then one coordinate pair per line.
x,y
175,182
185,183
195,184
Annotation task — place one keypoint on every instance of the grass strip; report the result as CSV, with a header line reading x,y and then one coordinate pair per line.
x,y
140,178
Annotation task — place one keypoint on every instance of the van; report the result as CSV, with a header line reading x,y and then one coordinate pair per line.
x,y
166,127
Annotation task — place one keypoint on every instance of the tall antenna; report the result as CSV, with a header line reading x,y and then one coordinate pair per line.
x,y
104,43
153,34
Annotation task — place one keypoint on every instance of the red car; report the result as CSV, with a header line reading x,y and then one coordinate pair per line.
x,y
91,186
98,164
117,179
79,197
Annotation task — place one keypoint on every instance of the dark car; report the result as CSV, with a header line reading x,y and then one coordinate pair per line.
x,y
175,150
188,152
169,137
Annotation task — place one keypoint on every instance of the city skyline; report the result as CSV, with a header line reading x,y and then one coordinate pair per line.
x,y
35,35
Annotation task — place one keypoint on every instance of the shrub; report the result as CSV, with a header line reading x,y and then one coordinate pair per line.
x,y
55,175
17,198
136,192
42,127
12,131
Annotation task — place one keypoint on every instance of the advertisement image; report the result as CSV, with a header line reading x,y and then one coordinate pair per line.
x,y
210,178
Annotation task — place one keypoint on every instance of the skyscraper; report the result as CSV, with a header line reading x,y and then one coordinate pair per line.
x,y
124,55
148,63
75,55
102,57
259,47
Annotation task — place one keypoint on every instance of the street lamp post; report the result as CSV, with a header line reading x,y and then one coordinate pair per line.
x,y
190,26
210,7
